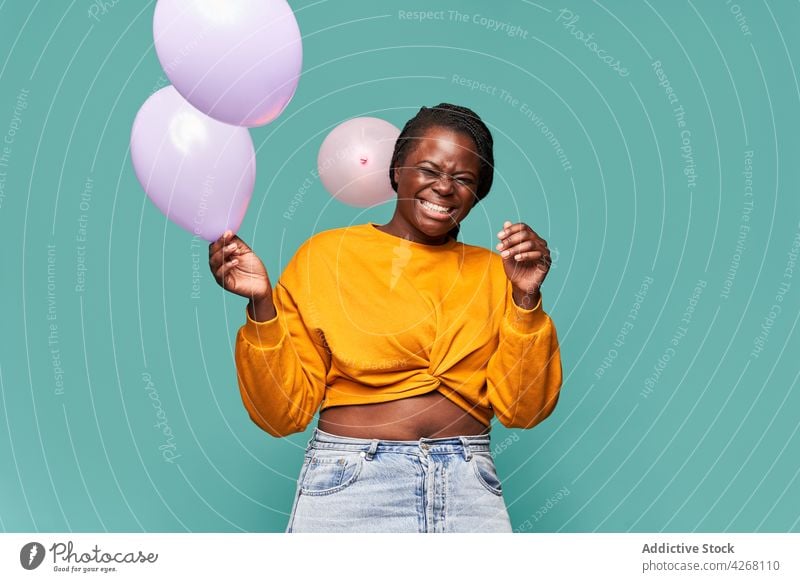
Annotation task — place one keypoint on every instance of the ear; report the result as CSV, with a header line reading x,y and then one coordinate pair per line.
x,y
396,173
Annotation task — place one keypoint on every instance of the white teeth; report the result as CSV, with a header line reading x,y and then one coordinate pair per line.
x,y
435,207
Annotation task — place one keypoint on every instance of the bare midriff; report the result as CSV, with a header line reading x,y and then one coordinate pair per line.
x,y
429,415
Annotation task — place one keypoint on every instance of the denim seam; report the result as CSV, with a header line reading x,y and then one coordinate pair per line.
x,y
419,494
482,481
297,494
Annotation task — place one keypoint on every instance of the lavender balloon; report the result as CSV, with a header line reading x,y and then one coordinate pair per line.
x,y
237,61
354,158
197,171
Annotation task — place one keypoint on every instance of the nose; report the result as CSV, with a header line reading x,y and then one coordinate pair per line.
x,y
443,184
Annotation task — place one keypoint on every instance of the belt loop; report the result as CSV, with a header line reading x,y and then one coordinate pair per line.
x,y
372,448
467,448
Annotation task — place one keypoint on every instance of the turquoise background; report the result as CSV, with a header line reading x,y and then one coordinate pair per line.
x,y
706,440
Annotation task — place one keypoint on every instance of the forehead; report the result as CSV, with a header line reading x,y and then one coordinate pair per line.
x,y
445,146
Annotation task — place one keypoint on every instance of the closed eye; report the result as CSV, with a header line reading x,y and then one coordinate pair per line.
x,y
431,174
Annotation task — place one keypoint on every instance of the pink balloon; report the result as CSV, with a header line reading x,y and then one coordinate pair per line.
x,y
237,61
198,171
354,158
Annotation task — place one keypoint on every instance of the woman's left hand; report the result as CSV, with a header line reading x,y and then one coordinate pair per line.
x,y
526,258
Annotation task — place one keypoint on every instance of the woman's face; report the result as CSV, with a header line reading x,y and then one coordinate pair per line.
x,y
436,184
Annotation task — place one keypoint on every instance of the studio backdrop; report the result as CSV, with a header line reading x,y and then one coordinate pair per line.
x,y
653,144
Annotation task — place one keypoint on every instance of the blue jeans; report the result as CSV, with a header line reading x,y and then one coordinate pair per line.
x,y
370,485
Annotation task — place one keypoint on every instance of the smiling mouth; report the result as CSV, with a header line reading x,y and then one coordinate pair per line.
x,y
436,209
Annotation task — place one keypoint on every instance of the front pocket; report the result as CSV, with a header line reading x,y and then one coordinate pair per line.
x,y
330,471
485,471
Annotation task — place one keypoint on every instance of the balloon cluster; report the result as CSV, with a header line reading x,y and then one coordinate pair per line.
x,y
235,64
232,65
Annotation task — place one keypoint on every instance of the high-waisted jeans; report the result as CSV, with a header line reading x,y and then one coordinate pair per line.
x,y
370,485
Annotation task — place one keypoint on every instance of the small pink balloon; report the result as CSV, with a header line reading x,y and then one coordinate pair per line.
x,y
354,158
198,171
237,61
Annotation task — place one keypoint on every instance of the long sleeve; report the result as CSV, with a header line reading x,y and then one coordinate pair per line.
x,y
282,367
524,375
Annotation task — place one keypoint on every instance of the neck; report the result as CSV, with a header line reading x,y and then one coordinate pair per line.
x,y
399,227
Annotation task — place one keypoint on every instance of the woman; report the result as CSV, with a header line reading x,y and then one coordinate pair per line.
x,y
407,342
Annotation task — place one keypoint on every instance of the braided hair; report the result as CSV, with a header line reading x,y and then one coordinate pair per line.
x,y
455,118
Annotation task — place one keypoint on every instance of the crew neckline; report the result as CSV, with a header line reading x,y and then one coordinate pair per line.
x,y
373,227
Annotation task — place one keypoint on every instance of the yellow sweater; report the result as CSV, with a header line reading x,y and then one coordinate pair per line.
x,y
364,316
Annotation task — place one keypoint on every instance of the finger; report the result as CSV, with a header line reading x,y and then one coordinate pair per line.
x,y
520,238
225,253
520,247
221,241
225,269
525,255
532,256
510,228
517,238
216,261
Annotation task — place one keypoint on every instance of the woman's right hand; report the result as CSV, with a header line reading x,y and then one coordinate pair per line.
x,y
237,268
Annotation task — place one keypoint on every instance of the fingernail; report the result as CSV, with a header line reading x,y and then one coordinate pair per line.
x,y
499,246
504,253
